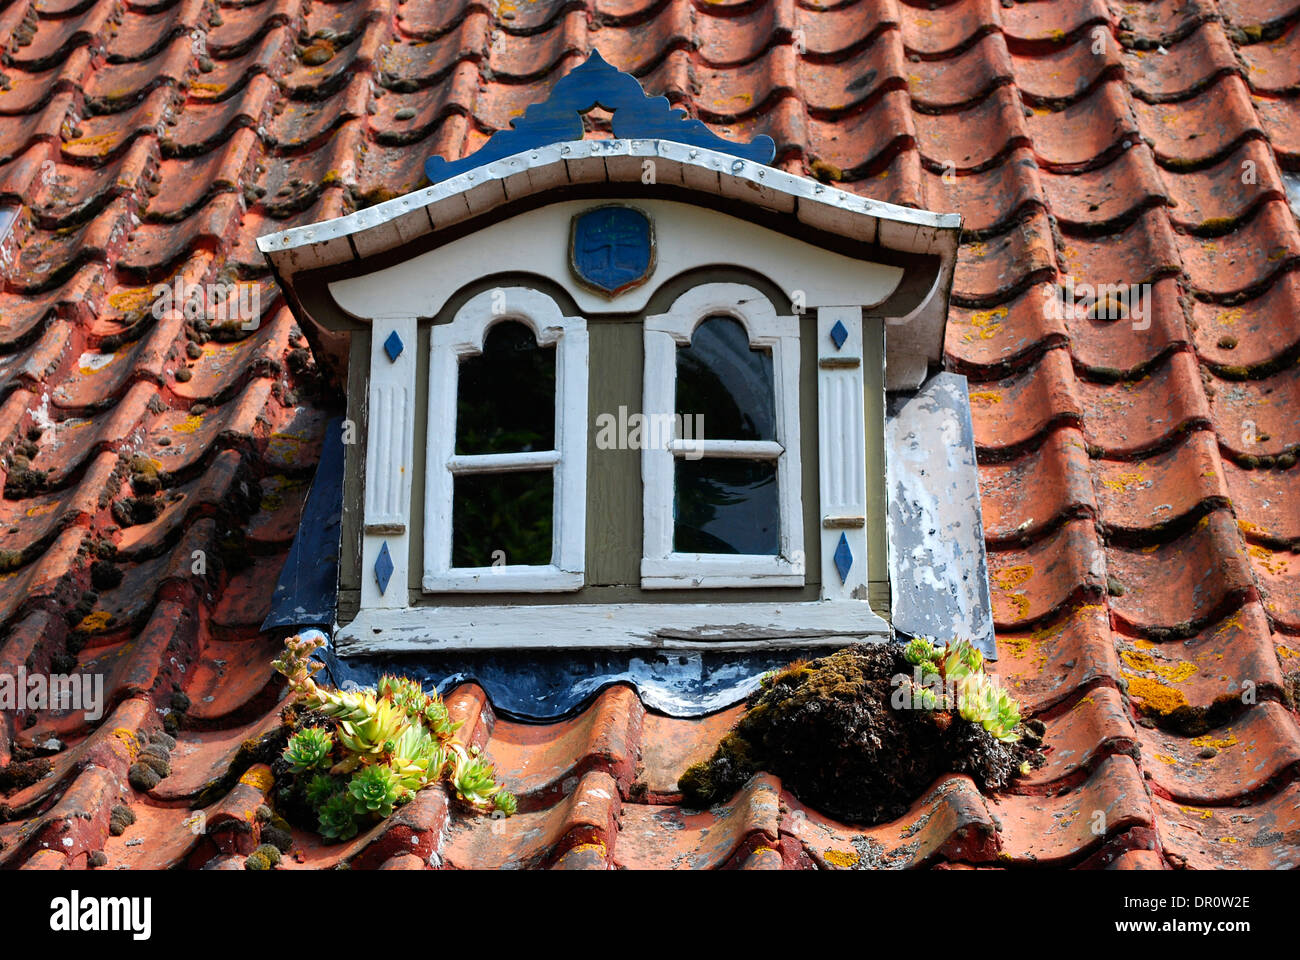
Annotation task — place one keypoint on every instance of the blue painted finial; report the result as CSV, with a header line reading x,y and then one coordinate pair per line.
x,y
592,84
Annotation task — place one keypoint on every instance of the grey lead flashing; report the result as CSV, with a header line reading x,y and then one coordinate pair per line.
x,y
938,567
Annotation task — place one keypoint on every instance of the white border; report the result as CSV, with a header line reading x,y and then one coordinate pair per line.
x,y
662,567
463,337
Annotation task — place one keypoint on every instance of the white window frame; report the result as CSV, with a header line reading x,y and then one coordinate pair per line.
x,y
464,337
661,567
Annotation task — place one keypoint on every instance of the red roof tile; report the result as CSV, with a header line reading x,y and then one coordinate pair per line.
x,y
1138,481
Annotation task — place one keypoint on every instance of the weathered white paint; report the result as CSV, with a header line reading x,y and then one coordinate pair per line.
x,y
686,238
654,626
842,449
390,442
661,567
463,337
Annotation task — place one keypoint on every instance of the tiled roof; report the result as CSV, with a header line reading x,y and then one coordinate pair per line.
x,y
1141,504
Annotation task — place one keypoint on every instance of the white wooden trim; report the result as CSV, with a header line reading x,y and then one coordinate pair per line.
x,y
842,452
661,567
726,449
574,626
503,462
390,443
463,337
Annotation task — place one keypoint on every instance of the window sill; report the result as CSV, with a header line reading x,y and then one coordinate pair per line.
x,y
532,579
701,571
624,626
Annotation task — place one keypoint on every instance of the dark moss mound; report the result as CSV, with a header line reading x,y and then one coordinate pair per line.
x,y
827,729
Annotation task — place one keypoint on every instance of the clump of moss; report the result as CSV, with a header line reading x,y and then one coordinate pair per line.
x,y
119,819
263,858
851,735
22,774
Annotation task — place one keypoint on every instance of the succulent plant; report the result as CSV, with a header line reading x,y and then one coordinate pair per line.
x,y
374,733
980,699
309,749
920,651
506,802
417,758
438,720
338,819
395,740
473,781
320,788
374,789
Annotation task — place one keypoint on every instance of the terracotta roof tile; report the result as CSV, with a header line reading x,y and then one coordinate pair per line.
x,y
1136,477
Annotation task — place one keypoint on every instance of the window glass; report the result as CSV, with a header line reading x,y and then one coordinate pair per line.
x,y
720,377
726,506
506,395
502,518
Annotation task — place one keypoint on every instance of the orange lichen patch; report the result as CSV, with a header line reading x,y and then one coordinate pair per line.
x,y
1013,577
1166,758
97,144
42,510
212,88
987,323
94,622
1125,481
1269,560
259,776
131,299
1218,743
844,859
986,396
283,445
1198,812
593,846
1287,652
189,424
1154,696
1177,672
1228,840
128,739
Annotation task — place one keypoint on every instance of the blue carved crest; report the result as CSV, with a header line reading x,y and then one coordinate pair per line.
x,y
611,248
636,116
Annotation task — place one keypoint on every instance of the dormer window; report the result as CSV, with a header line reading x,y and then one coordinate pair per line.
x,y
631,394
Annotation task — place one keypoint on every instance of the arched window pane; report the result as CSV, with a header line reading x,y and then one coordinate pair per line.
x,y
720,377
506,395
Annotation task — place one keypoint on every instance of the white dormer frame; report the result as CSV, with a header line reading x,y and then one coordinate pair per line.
x,y
465,337
422,284
661,566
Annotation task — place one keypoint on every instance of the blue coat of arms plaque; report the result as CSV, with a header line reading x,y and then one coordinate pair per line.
x,y
612,248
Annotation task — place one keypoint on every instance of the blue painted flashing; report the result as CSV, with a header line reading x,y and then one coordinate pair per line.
x,y
595,83
543,686
307,591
